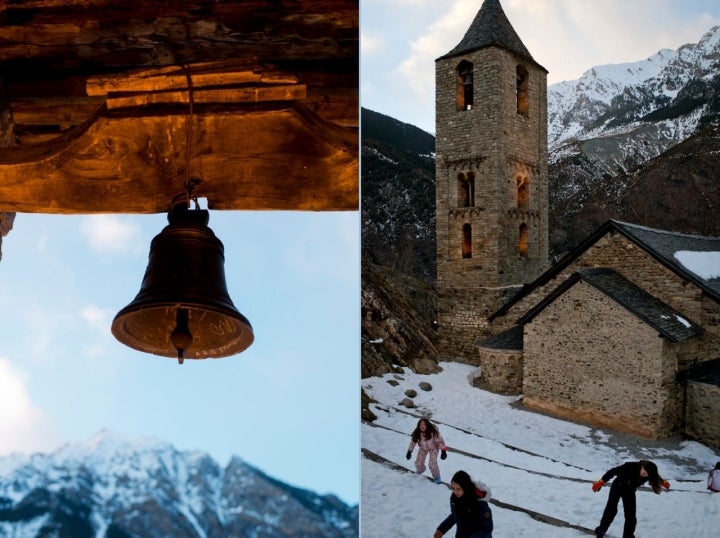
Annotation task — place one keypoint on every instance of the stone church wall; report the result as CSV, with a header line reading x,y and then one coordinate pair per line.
x,y
462,320
494,144
617,252
586,358
703,413
500,371
710,320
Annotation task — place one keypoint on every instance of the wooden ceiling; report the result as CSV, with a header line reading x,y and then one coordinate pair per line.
x,y
117,106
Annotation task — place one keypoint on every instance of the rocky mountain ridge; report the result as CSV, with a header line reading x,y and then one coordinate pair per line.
x,y
607,125
398,195
114,486
672,93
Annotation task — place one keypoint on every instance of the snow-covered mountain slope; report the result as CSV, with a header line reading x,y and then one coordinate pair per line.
x,y
621,115
114,486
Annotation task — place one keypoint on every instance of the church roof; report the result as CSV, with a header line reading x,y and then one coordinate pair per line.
x,y
688,256
706,372
660,316
508,340
491,27
672,250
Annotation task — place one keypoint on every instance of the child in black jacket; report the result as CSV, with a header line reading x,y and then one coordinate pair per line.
x,y
628,477
468,510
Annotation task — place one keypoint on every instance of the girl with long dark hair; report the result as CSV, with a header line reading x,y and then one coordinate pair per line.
x,y
628,478
469,510
429,442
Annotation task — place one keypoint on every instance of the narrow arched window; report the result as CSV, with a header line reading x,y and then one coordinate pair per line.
x,y
466,190
471,189
463,192
522,90
467,241
523,192
464,89
523,240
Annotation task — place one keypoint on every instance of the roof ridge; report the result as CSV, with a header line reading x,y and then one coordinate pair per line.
x,y
663,232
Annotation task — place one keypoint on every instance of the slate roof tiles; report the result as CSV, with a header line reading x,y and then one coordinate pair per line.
x,y
491,27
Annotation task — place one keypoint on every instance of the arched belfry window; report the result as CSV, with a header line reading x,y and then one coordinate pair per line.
x,y
522,90
523,240
467,241
464,91
523,192
466,190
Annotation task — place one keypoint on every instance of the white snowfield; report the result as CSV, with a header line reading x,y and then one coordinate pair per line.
x,y
539,469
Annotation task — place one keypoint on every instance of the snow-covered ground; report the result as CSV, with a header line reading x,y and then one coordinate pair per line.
x,y
539,469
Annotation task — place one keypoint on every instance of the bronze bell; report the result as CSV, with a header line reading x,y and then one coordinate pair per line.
x,y
183,308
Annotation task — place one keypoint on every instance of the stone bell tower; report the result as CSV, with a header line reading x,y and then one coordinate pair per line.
x,y
491,177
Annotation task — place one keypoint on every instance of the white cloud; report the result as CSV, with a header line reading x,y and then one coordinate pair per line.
x,y
23,426
99,321
570,36
567,37
370,44
418,70
96,317
111,233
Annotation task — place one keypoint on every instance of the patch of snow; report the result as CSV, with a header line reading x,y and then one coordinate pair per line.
x,y
531,461
381,156
706,265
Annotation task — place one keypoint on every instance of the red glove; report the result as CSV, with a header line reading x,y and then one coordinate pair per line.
x,y
666,484
480,493
597,485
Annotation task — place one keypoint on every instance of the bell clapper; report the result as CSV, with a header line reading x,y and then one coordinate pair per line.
x,y
181,337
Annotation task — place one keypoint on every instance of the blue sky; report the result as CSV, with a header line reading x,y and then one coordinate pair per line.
x,y
400,40
288,405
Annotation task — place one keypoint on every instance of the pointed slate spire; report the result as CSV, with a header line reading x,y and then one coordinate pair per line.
x,y
491,27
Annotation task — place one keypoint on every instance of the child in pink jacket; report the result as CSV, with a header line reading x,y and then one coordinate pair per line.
x,y
429,441
713,482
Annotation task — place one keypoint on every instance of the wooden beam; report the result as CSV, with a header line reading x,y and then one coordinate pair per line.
x,y
61,111
198,75
260,157
252,94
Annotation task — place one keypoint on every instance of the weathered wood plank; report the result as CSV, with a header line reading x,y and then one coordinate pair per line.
x,y
93,88
255,94
63,111
260,159
176,78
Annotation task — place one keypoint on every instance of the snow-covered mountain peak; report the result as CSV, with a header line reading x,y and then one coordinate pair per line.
x,y
624,114
710,41
107,444
143,486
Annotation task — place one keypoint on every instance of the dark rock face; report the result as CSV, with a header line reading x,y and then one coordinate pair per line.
x,y
398,195
397,315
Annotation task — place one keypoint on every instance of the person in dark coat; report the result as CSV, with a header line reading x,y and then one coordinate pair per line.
x,y
469,512
628,478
